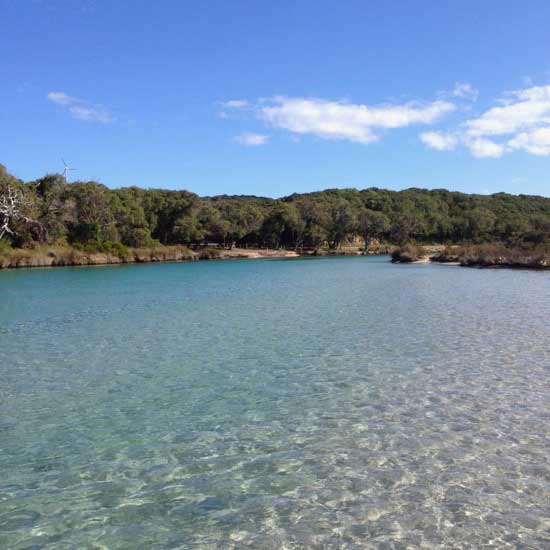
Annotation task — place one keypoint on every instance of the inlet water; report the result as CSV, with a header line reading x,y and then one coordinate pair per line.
x,y
310,403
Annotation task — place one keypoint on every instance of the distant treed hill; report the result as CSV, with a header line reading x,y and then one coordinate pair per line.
x,y
52,211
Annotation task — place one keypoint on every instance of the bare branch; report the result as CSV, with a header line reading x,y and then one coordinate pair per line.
x,y
11,202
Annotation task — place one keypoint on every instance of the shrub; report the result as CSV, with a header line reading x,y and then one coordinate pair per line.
x,y
449,254
408,253
86,232
103,247
118,249
209,254
5,248
497,254
141,238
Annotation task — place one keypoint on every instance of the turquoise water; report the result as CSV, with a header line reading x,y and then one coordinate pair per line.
x,y
321,403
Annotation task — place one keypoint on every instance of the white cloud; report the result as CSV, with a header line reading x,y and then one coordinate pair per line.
x,y
536,142
519,122
80,108
484,148
522,109
235,103
463,90
251,140
60,97
347,121
439,141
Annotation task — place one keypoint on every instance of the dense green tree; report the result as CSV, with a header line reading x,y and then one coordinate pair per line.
x,y
409,225
343,223
481,223
283,225
187,230
241,220
372,225
52,210
317,222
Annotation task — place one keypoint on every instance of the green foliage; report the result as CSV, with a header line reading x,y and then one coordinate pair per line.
x,y
372,225
86,231
5,248
92,216
105,247
140,237
282,225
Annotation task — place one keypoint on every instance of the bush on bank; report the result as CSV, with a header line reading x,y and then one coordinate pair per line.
x,y
496,255
408,253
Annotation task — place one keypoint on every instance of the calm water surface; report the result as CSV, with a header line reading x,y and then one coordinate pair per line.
x,y
329,403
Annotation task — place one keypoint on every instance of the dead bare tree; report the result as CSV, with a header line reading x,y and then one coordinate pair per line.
x,y
10,210
12,203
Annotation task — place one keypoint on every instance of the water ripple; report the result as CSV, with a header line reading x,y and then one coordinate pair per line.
x,y
339,403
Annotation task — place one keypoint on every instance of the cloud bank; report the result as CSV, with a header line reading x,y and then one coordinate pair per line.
x,y
347,121
519,122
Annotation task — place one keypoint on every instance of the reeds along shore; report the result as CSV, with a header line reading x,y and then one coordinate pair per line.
x,y
53,256
58,256
482,255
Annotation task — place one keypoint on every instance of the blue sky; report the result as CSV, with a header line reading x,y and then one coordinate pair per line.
x,y
270,98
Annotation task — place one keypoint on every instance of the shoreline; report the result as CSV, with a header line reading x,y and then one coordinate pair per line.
x,y
487,255
52,257
69,257
478,265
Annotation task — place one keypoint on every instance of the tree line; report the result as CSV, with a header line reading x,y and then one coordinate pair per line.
x,y
50,210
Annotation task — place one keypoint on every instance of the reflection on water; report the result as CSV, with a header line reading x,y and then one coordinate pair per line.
x,y
331,403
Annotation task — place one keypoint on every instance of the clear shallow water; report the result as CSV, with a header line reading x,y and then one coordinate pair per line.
x,y
327,403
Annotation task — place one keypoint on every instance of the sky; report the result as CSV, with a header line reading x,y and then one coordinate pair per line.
x,y
272,98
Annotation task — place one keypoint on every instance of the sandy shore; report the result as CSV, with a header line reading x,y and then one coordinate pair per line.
x,y
256,253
